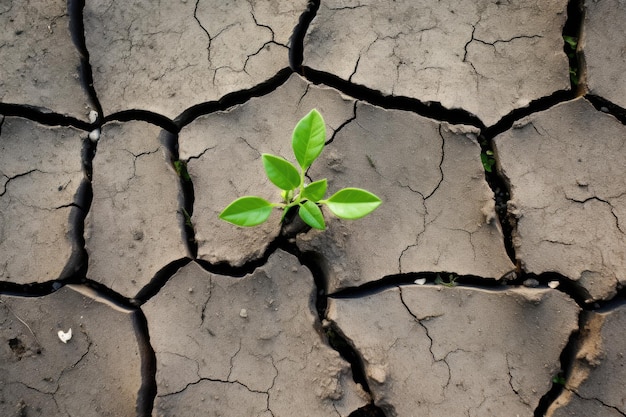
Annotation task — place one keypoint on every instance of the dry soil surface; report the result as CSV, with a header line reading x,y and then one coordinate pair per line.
x,y
489,283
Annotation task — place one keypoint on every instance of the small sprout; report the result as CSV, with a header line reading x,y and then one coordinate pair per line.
x,y
181,170
488,160
571,41
65,336
308,141
571,44
559,379
573,75
451,281
187,217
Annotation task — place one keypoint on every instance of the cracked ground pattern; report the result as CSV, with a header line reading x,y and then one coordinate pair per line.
x,y
488,283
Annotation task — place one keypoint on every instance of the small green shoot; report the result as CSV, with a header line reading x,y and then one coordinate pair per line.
x,y
181,170
308,140
559,379
571,43
187,217
451,280
488,160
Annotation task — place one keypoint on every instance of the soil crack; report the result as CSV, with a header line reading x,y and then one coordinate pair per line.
x,y
77,31
296,41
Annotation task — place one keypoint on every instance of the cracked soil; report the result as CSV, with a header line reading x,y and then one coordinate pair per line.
x,y
488,283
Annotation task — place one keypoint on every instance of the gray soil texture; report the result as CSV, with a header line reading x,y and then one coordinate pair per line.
x,y
489,282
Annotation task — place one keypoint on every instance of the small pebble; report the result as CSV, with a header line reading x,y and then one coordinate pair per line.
x,y
93,116
65,336
94,135
531,283
420,281
553,284
243,313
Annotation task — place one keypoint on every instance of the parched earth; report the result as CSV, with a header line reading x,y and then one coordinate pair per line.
x,y
488,283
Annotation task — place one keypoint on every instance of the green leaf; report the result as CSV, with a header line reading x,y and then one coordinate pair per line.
x,y
308,138
559,379
315,191
181,170
187,217
451,281
488,161
572,41
352,203
312,215
247,211
281,172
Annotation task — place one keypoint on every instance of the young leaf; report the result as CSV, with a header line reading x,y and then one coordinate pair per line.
x,y
315,191
181,170
247,211
572,41
308,138
312,215
352,203
281,172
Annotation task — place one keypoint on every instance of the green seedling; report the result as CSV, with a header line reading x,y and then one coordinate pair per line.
x,y
488,160
181,170
187,217
451,280
308,139
559,379
571,43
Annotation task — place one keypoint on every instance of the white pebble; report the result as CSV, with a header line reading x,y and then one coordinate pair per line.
x,y
420,281
65,336
378,374
93,116
553,284
243,313
94,135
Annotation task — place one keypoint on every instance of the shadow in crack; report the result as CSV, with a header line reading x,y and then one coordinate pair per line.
x,y
43,116
158,281
606,106
571,35
76,266
144,115
148,390
77,30
285,241
501,191
568,355
432,110
369,410
169,140
232,99
333,336
296,41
